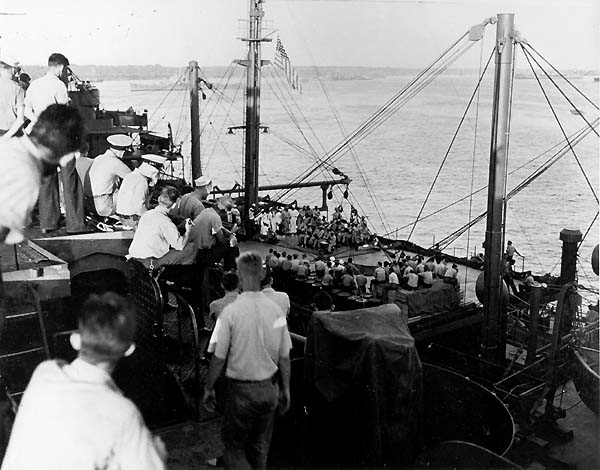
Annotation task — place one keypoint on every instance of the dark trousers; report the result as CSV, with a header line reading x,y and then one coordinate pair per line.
x,y
248,423
217,253
49,200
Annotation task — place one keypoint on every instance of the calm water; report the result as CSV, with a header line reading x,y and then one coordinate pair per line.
x,y
400,159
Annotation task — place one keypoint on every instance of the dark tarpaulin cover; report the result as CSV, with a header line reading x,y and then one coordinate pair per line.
x,y
364,379
440,297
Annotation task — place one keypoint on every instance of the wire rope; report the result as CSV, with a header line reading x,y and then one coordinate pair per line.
x,y
468,248
561,126
441,166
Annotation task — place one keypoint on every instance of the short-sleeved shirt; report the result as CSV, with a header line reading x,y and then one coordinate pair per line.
x,y
12,98
155,235
74,417
206,226
427,277
19,185
217,306
280,298
43,92
393,279
347,280
327,279
379,274
189,206
253,337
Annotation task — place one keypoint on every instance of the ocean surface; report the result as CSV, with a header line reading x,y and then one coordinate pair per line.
x,y
393,168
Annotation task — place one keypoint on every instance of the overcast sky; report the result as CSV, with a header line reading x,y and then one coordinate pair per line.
x,y
315,32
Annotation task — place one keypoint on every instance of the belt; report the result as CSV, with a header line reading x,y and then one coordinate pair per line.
x,y
272,379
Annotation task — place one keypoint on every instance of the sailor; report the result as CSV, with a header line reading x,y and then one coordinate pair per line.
x,y
75,413
231,287
132,198
347,281
322,302
156,235
213,241
412,280
43,92
511,250
294,220
102,179
58,133
253,347
230,216
426,277
281,299
12,99
190,205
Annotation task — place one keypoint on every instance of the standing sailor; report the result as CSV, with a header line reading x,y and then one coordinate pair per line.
x,y
43,92
102,180
12,99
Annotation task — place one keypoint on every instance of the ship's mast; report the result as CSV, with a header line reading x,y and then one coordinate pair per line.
x,y
494,325
252,125
195,119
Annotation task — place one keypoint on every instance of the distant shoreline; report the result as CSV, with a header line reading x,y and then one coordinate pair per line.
x,y
160,72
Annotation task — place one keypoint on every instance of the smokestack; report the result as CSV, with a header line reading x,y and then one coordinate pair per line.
x,y
570,239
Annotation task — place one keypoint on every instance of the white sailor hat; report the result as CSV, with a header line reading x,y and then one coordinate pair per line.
x,y
147,170
202,181
119,141
155,160
9,60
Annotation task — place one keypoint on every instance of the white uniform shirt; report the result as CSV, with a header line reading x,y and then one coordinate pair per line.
x,y
252,336
131,198
155,235
393,279
280,298
43,92
19,185
105,172
73,417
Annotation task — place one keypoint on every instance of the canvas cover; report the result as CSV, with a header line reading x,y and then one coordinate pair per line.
x,y
440,297
363,377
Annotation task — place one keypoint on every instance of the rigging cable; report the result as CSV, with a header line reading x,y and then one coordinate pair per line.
x,y
376,119
227,116
575,137
473,164
533,176
560,125
342,129
462,119
389,103
506,151
167,95
529,46
588,231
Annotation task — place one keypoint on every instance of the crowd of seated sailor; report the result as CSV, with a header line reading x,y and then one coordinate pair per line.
x,y
405,272
308,228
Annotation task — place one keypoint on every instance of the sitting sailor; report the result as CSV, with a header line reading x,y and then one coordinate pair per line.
x,y
102,179
213,241
132,198
190,205
157,235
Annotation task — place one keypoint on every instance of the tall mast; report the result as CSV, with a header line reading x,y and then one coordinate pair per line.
x,y
195,119
252,125
493,334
